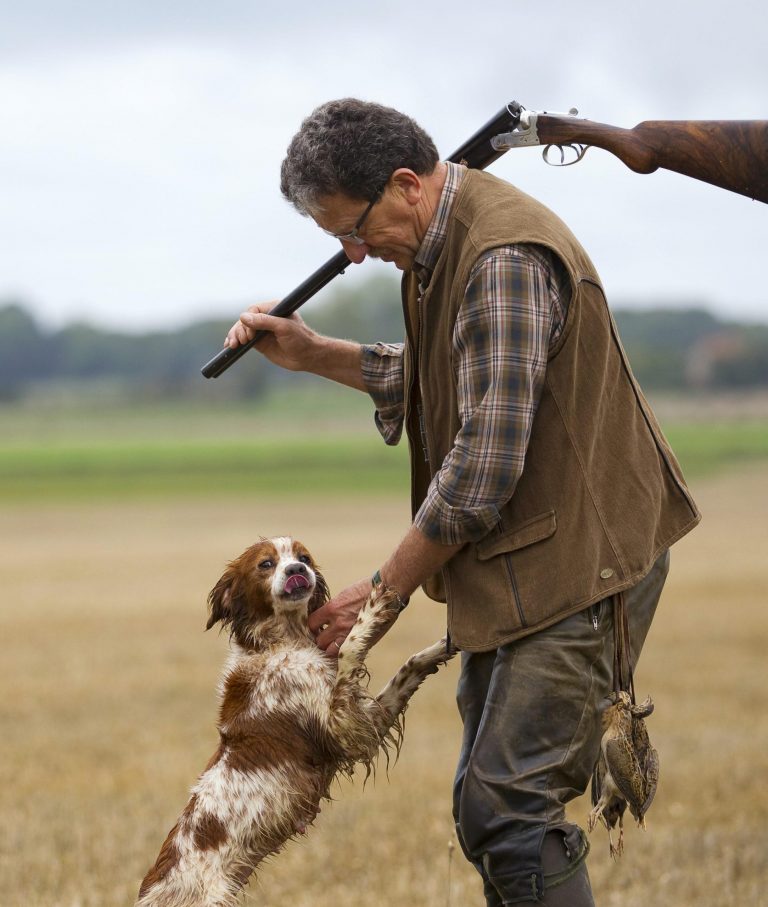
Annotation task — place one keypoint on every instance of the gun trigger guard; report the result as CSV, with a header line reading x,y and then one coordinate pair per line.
x,y
579,149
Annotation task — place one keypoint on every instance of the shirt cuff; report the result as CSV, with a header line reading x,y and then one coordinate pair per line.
x,y
382,369
450,525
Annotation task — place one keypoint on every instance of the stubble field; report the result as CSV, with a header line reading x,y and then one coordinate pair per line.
x,y
108,706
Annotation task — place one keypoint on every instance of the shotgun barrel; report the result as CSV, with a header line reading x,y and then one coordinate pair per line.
x,y
476,152
287,306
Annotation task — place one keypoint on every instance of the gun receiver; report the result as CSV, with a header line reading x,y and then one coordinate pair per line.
x,y
731,154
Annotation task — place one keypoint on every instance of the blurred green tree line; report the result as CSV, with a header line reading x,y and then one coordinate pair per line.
x,y
670,349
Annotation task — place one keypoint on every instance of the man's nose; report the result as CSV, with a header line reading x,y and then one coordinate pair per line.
x,y
355,253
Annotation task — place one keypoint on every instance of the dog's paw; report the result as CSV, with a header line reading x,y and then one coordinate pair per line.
x,y
450,648
430,659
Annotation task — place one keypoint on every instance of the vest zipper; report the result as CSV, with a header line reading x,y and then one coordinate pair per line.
x,y
423,431
408,391
419,360
518,604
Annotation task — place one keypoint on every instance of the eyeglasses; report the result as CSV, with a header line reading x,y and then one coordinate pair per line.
x,y
354,234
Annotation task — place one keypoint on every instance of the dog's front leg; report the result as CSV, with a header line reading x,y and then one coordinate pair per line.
x,y
376,616
393,700
354,718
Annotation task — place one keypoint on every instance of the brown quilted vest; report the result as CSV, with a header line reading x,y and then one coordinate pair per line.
x,y
601,494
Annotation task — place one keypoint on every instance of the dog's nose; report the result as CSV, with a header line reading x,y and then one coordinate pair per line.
x,y
294,568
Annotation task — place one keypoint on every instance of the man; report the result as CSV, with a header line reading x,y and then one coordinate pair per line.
x,y
542,485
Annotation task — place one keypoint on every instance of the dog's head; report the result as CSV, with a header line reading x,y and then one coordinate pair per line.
x,y
273,579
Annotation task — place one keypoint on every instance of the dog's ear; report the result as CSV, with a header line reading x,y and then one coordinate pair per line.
x,y
321,594
220,600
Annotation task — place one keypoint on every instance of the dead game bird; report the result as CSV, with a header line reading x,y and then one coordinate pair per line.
x,y
627,771
613,810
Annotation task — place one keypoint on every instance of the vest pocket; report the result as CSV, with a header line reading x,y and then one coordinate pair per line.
x,y
532,530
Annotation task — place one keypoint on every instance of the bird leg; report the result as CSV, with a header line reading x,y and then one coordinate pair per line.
x,y
616,851
597,813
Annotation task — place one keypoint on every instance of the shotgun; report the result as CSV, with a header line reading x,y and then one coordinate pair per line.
x,y
731,154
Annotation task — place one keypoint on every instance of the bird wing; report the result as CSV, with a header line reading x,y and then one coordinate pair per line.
x,y
598,776
647,758
651,777
625,771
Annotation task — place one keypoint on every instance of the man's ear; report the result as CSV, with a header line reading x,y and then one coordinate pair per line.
x,y
220,600
408,184
321,594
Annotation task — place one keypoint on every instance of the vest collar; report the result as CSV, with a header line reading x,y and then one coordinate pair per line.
x,y
434,239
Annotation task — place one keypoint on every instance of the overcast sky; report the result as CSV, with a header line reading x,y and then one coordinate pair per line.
x,y
141,141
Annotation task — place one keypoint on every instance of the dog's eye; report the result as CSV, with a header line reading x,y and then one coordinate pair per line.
x,y
305,559
265,565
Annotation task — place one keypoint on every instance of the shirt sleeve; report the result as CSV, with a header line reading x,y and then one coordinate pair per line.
x,y
513,309
382,368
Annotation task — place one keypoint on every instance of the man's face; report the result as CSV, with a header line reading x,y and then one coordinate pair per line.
x,y
393,228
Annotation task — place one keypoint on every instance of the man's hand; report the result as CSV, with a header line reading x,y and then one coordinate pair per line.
x,y
415,559
290,343
332,622
293,345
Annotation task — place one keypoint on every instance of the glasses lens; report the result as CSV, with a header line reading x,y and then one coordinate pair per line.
x,y
352,236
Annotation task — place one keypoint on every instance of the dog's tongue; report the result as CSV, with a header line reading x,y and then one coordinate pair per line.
x,y
297,581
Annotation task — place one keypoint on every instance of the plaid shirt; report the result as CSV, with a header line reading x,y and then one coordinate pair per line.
x,y
514,309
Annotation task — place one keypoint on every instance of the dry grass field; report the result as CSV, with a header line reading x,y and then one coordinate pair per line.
x,y
108,704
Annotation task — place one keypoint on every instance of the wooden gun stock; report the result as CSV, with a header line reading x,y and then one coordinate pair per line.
x,y
731,154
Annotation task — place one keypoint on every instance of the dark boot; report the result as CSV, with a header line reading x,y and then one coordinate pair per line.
x,y
563,859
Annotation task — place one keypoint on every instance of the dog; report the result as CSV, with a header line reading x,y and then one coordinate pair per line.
x,y
291,719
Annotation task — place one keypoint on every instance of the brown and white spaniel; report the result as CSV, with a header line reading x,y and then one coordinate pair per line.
x,y
290,719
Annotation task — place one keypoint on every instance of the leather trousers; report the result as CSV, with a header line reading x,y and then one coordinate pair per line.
x,y
532,729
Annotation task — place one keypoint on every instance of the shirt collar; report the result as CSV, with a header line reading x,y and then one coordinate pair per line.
x,y
434,239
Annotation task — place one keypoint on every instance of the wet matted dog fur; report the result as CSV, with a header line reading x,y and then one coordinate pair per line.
x,y
290,720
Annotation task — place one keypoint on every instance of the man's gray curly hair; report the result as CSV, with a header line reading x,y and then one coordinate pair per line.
x,y
352,147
